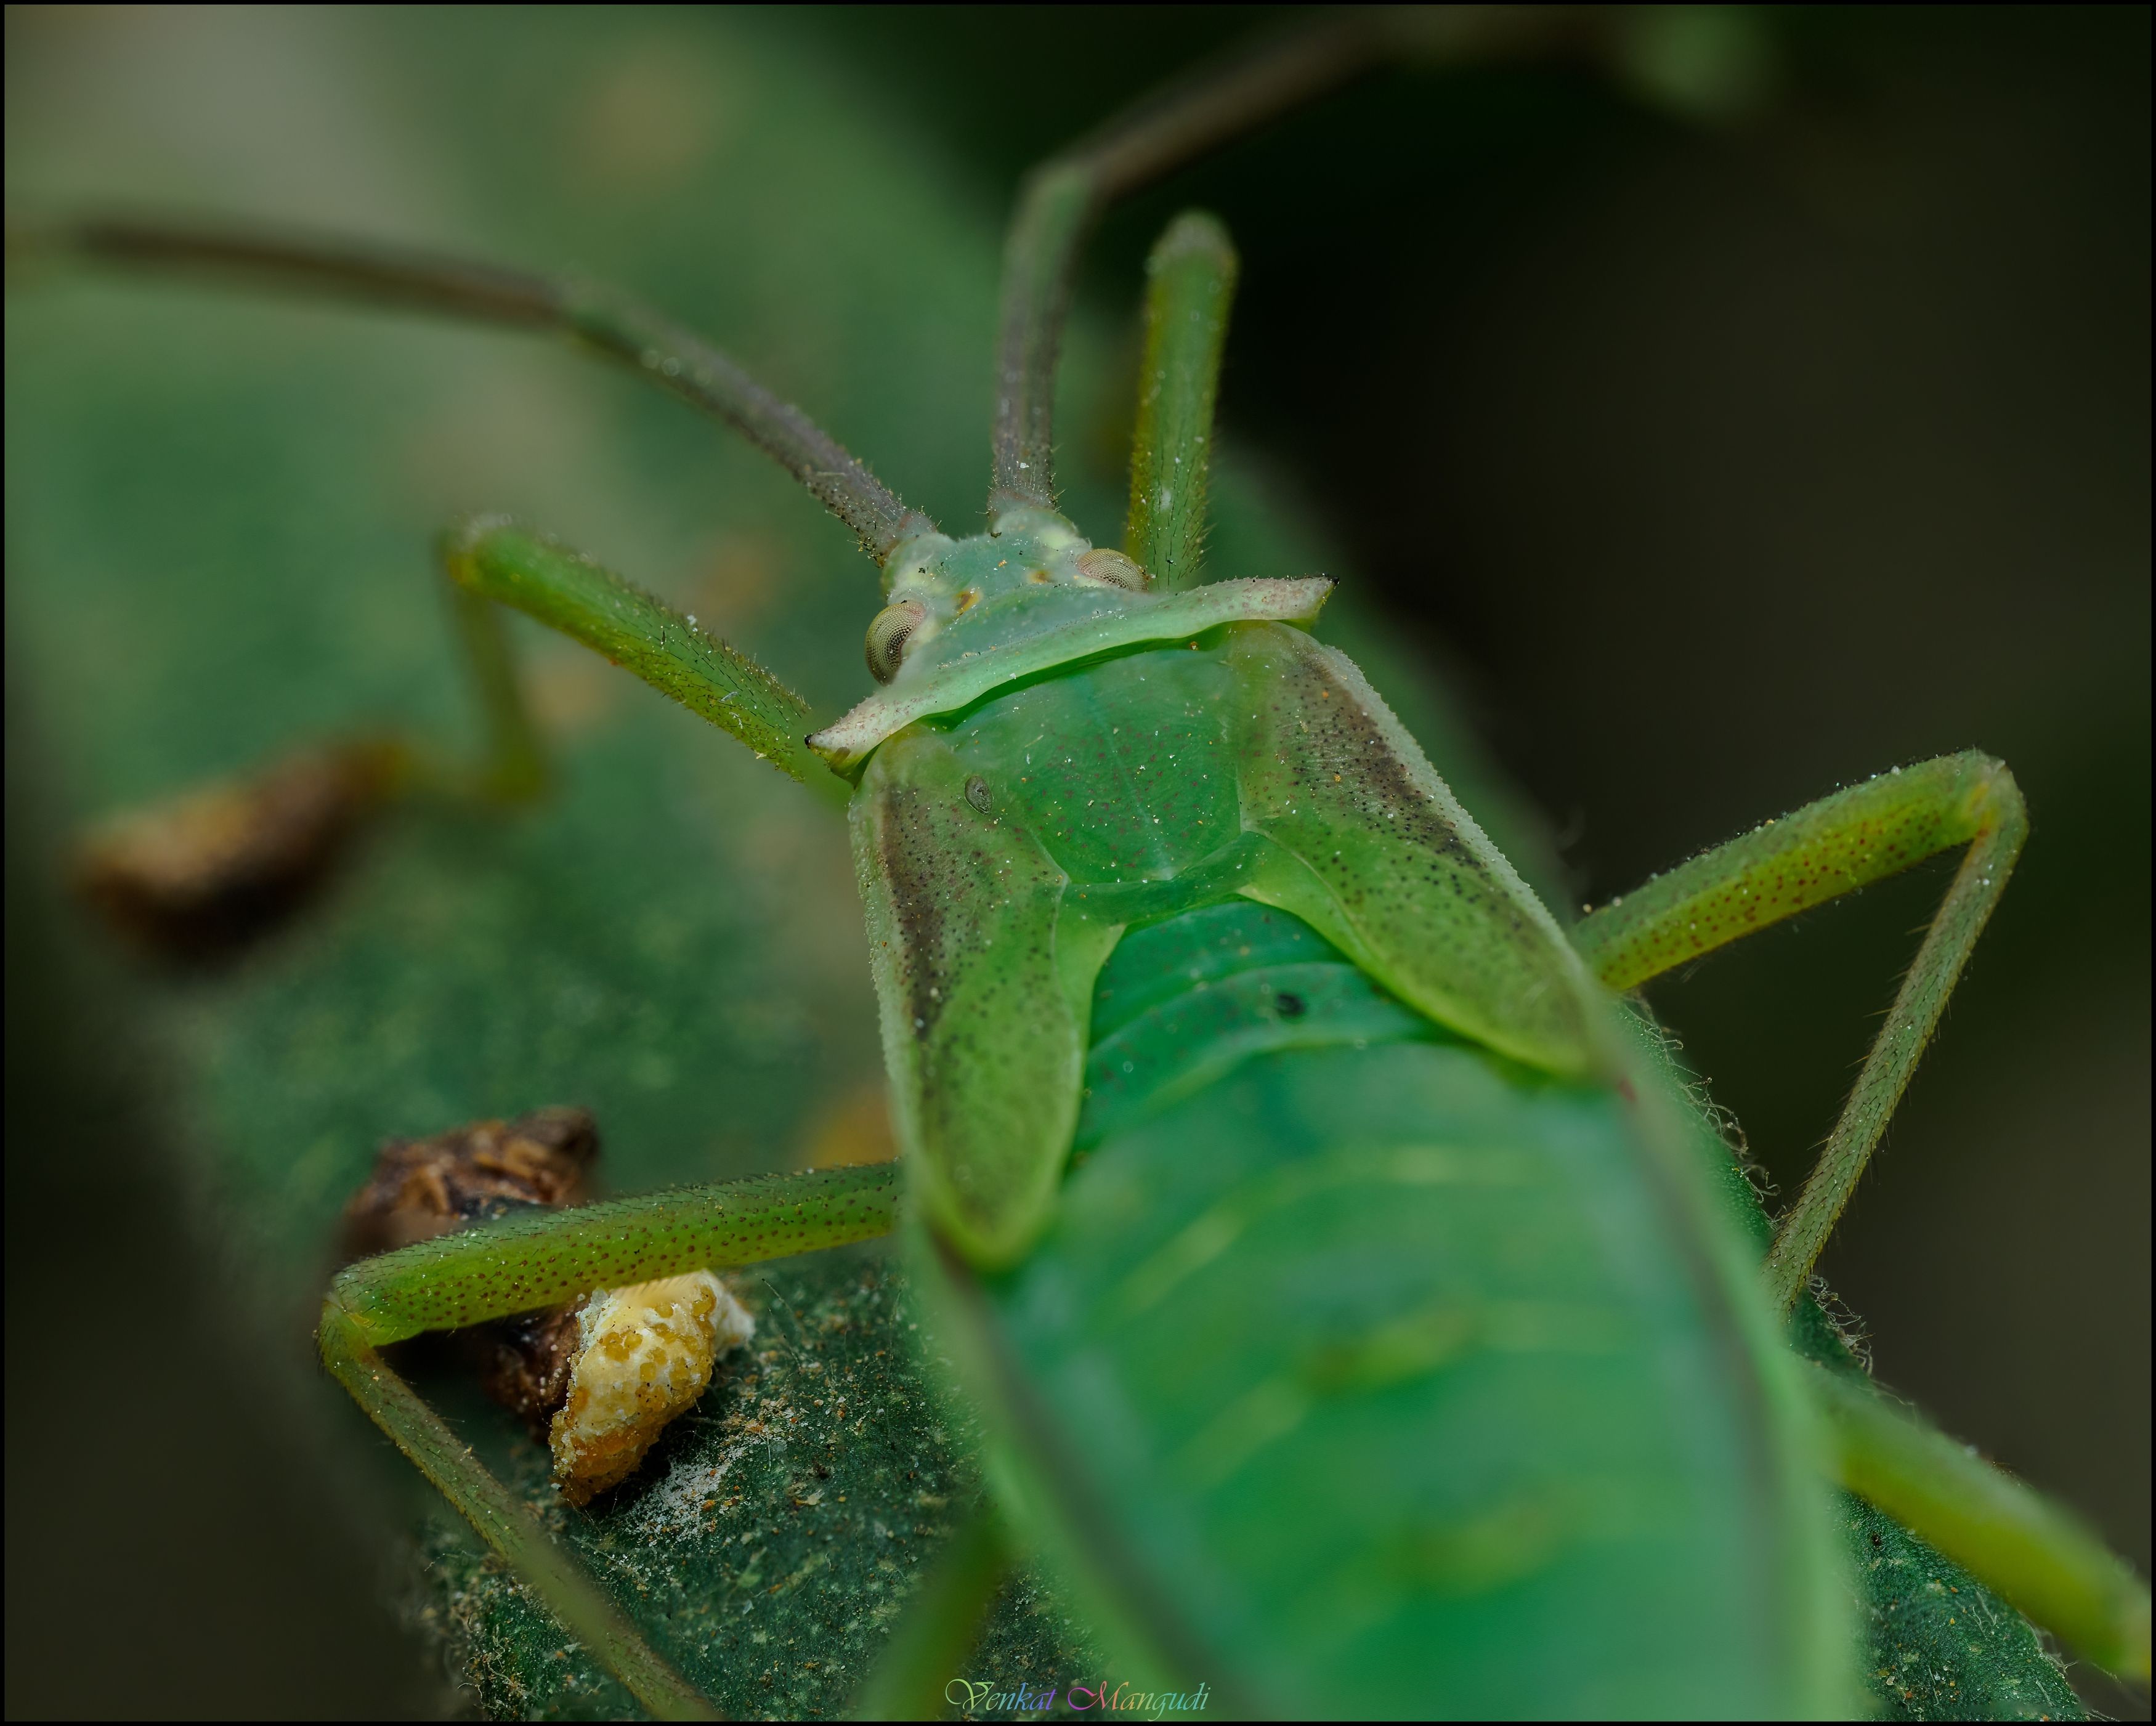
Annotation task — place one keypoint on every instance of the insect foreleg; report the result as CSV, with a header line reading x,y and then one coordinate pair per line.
x,y
1194,116
1066,194
1191,279
2034,1554
515,767
221,860
1063,196
568,591
1825,849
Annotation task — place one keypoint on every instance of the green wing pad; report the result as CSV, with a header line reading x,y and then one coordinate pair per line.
x,y
1386,865
982,1041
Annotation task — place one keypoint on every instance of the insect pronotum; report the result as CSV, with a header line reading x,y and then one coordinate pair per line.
x,y
1514,1013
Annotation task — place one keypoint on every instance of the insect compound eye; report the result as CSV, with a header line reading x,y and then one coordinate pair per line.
x,y
1113,567
889,632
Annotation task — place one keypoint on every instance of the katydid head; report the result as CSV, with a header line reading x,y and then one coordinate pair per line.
x,y
934,581
972,617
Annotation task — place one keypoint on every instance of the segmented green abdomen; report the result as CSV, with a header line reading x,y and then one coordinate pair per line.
x,y
1361,1365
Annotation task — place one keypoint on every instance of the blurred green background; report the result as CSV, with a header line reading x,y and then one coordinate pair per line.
x,y
1710,468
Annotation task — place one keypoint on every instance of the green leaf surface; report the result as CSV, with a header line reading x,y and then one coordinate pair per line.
x,y
771,1542
1936,1643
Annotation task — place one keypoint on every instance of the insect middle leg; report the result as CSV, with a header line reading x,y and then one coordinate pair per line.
x,y
219,863
183,871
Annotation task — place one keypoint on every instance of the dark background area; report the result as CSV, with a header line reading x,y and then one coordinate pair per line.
x,y
1717,467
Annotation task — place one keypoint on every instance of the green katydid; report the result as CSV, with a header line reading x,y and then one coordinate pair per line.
x,y
1524,999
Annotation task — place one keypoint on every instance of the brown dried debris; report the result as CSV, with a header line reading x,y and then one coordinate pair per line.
x,y
425,1187
199,875
525,1363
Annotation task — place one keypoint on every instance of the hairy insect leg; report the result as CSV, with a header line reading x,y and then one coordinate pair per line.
x,y
513,765
546,1566
491,560
540,1259
221,862
2011,1537
913,1678
1825,849
2037,1556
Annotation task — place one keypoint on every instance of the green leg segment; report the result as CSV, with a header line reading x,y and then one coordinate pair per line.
x,y
545,1565
512,764
564,590
912,1679
2034,1554
543,1258
538,1259
515,768
232,856
1167,130
1191,280
1063,197
1829,848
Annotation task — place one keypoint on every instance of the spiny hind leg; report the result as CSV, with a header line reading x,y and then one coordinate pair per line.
x,y
2037,1556
2033,1554
1825,849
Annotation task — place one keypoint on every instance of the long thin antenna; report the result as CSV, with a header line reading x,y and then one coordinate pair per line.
x,y
1190,117
608,323
1063,197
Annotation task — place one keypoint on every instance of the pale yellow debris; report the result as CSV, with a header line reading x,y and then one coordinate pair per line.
x,y
647,1353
